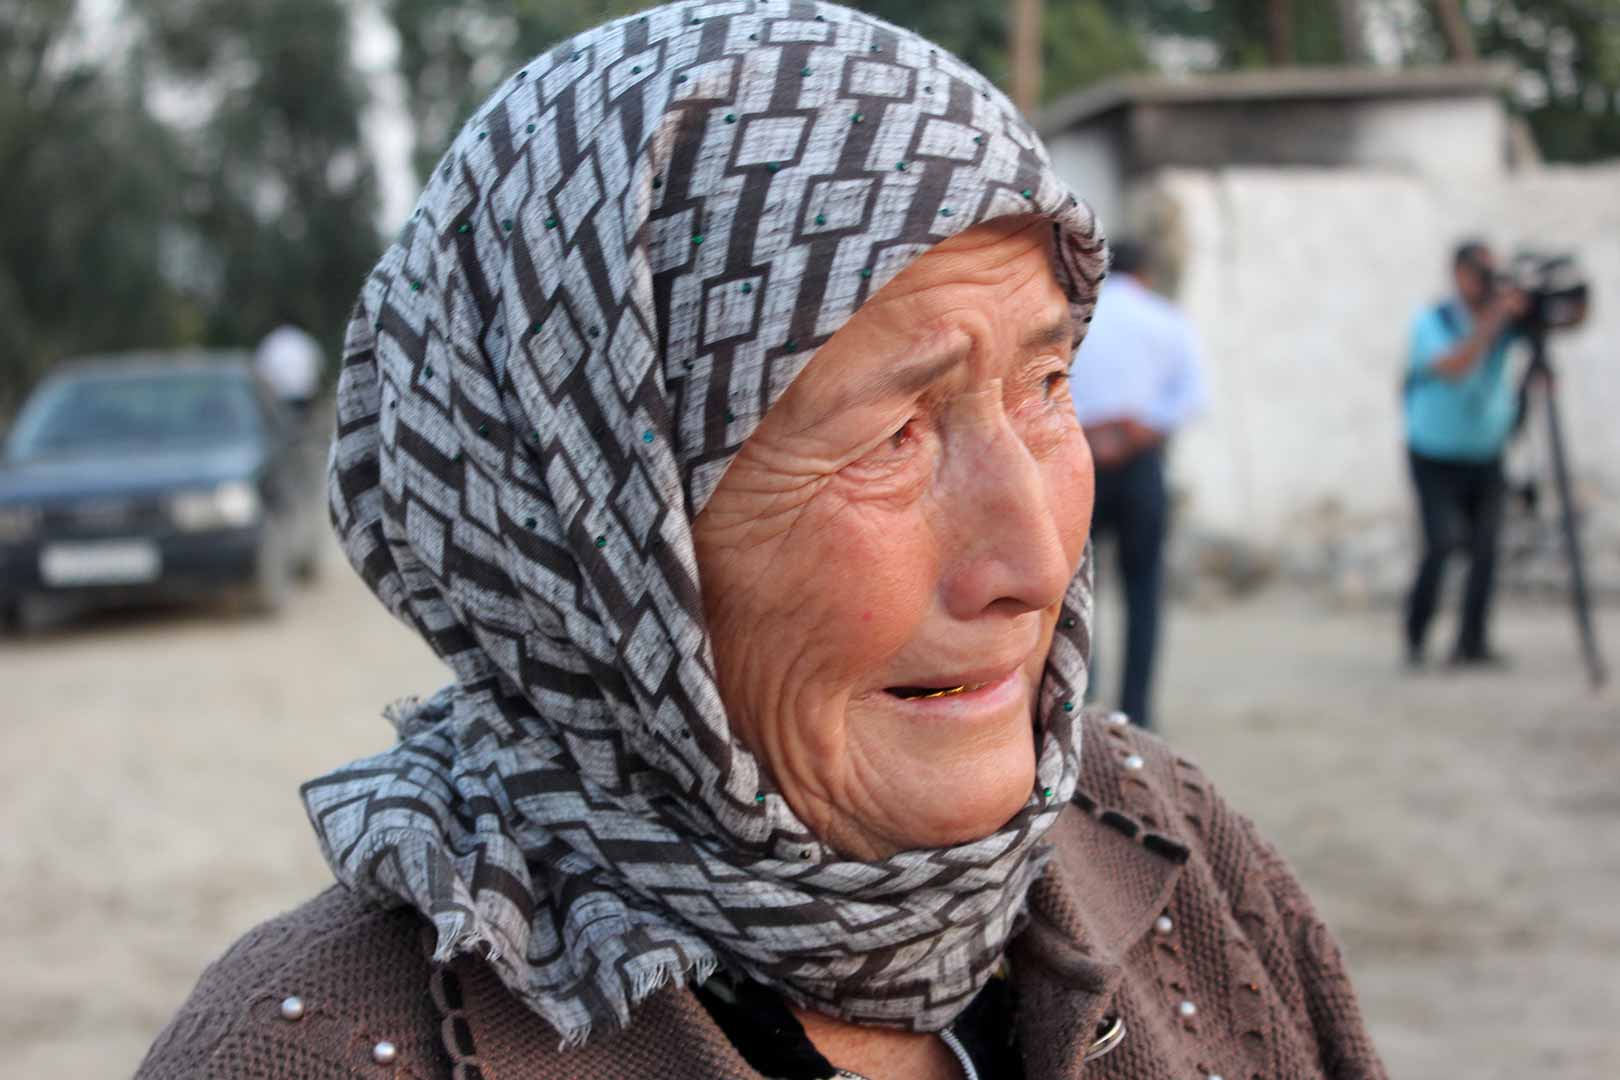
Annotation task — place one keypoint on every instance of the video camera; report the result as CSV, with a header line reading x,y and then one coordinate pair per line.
x,y
1558,299
1557,290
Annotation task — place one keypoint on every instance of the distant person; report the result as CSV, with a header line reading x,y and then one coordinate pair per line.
x,y
1137,379
290,361
1460,407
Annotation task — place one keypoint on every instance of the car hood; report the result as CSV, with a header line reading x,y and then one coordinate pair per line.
x,y
49,479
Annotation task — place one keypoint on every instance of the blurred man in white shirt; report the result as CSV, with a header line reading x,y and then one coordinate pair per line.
x,y
1136,380
289,360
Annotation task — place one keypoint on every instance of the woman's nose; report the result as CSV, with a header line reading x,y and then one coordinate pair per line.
x,y
1009,552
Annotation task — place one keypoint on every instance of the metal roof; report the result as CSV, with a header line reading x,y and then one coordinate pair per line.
x,y
1274,84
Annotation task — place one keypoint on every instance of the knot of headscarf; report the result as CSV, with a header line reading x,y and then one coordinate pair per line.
x,y
624,259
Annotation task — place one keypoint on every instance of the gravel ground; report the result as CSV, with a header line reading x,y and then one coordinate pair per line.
x,y
1462,834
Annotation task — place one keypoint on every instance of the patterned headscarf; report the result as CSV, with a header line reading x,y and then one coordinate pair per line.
x,y
625,258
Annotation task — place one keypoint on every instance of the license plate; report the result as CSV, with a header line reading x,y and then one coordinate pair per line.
x,y
111,562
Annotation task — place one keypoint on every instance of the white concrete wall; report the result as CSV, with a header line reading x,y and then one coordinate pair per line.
x,y
1461,137
1303,283
1090,159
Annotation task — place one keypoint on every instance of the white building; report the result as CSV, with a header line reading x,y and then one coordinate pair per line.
x,y
1306,215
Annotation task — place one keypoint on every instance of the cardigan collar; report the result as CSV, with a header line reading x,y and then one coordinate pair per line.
x,y
1106,882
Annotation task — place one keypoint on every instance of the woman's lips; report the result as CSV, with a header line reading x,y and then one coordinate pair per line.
x,y
966,696
954,683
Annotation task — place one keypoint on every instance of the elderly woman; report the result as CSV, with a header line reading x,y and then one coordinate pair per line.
x,y
709,420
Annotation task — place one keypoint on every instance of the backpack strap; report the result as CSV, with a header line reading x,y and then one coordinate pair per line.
x,y
1447,315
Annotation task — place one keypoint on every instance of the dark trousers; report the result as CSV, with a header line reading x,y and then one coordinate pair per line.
x,y
1132,504
1461,507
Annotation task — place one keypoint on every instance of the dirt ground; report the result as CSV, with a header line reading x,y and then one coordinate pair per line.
x,y
1462,834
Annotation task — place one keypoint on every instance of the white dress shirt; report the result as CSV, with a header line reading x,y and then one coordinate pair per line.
x,y
1140,359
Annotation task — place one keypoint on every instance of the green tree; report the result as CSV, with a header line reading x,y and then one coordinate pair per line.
x,y
1240,30
83,222
249,202
1568,55
277,186
1086,43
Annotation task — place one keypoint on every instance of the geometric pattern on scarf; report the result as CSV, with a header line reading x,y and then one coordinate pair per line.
x,y
624,259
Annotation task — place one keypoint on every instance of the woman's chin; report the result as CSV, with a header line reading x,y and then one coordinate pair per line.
x,y
947,803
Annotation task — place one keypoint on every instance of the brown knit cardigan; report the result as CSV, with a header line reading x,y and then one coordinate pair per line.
x,y
1162,906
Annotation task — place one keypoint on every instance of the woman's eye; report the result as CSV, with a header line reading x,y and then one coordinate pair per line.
x,y
897,458
1053,386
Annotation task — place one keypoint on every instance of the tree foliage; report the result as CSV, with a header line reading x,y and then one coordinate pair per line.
x,y
246,200
1568,54
277,190
82,221
1237,31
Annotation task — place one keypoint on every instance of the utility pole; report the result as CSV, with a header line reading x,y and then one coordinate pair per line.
x,y
1026,55
1352,31
1459,36
1280,32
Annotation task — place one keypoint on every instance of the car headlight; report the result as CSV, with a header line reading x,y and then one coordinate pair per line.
x,y
229,506
18,523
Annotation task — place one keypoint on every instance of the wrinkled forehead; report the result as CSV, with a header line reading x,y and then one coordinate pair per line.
x,y
980,310
997,276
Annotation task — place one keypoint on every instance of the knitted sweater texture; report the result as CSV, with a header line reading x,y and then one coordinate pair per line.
x,y
1161,906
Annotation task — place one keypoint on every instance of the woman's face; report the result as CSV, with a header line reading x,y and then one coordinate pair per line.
x,y
905,522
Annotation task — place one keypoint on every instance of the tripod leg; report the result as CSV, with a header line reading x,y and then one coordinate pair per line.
x,y
1595,667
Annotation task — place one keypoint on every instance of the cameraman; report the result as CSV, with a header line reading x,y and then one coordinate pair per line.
x,y
1460,410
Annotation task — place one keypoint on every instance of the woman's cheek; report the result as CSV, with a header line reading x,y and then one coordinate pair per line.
x,y
1073,480
1048,427
878,567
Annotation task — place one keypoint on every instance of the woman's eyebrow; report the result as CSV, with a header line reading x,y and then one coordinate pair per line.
x,y
1057,331
915,371
910,375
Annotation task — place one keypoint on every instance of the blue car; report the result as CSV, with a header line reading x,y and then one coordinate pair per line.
x,y
156,476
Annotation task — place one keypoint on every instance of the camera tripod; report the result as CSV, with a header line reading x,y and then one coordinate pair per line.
x,y
1541,366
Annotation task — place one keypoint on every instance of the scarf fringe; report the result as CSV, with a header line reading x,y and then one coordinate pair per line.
x,y
463,935
411,715
646,985
462,939
695,973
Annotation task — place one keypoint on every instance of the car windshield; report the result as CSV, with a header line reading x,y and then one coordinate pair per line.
x,y
101,412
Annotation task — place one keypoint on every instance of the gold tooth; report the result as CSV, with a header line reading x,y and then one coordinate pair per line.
x,y
940,693
948,692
